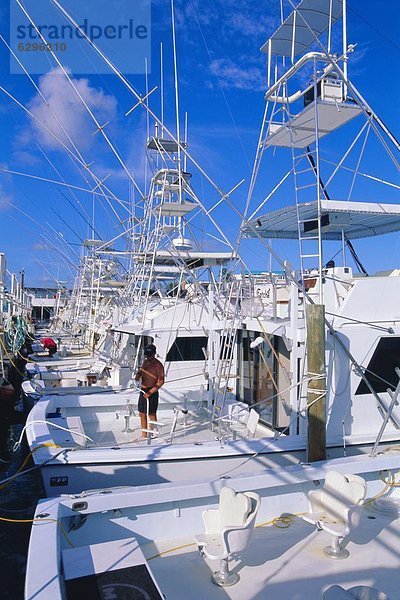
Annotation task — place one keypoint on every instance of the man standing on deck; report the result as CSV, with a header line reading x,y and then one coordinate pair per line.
x,y
152,375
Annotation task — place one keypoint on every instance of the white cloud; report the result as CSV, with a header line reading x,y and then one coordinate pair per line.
x,y
40,247
228,17
251,24
231,33
5,199
65,110
231,75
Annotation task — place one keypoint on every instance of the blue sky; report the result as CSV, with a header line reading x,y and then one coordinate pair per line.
x,y
222,83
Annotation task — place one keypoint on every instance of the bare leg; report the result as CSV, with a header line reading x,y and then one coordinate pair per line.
x,y
143,423
152,418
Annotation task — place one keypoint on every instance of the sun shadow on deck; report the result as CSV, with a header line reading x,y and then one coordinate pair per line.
x,y
288,563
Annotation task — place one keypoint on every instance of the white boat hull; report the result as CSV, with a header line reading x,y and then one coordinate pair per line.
x,y
162,522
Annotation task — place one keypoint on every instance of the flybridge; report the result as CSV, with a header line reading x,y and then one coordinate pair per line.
x,y
354,220
310,20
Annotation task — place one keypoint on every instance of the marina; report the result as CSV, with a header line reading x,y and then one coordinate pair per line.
x,y
210,398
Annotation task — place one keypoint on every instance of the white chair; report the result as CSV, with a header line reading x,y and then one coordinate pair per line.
x,y
337,509
238,411
228,529
241,420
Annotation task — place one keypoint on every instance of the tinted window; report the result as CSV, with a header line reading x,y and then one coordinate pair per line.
x,y
381,368
187,348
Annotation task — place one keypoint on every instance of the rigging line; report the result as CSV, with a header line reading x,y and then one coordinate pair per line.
x,y
220,231
39,91
178,135
375,121
62,178
41,123
77,210
311,160
47,158
299,286
60,235
114,239
114,211
67,225
278,185
57,249
47,180
138,97
362,174
43,266
74,87
256,166
382,125
48,105
22,224
270,441
356,258
41,226
346,154
259,155
12,477
374,28
220,87
68,150
370,323
147,122
360,158
94,230
162,85
377,376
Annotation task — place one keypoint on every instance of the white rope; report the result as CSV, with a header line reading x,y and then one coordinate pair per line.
x,y
18,443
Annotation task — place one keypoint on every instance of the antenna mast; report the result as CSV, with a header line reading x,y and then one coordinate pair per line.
x,y
178,137
162,88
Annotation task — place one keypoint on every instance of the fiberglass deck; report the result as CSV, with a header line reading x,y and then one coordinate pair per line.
x,y
190,429
286,563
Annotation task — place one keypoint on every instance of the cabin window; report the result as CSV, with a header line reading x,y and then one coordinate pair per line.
x,y
187,348
381,372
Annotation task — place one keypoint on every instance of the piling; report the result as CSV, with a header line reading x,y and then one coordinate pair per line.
x,y
316,392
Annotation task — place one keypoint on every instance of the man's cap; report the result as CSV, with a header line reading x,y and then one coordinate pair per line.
x,y
150,349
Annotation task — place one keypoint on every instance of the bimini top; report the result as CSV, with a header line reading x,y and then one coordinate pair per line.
x,y
316,13
355,219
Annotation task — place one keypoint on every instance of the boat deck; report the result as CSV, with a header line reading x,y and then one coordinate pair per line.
x,y
285,562
111,419
190,429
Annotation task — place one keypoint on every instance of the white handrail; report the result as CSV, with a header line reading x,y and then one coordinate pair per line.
x,y
309,56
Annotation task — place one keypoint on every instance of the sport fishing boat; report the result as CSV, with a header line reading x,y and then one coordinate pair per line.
x,y
184,321
251,403
258,536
